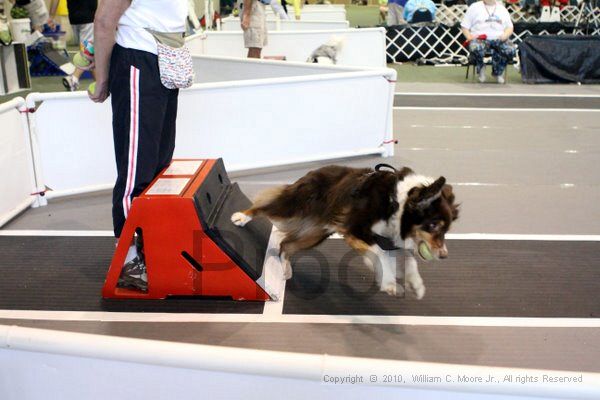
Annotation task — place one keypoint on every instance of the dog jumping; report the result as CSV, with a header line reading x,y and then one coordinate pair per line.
x,y
363,205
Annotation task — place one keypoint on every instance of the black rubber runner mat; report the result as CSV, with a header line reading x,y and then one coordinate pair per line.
x,y
496,101
67,273
480,278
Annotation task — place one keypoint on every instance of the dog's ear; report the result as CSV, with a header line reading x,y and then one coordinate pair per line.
x,y
449,196
421,198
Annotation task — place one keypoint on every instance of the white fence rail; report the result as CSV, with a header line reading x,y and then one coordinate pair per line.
x,y
35,363
308,113
273,24
16,164
362,47
319,14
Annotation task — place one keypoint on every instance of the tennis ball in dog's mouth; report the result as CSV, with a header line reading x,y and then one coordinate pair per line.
x,y
92,88
425,251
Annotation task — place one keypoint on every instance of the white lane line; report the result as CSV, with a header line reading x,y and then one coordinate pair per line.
x,y
452,236
302,319
503,236
506,109
274,183
41,232
497,94
274,309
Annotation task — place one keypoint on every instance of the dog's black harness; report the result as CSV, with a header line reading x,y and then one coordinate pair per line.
x,y
385,243
382,241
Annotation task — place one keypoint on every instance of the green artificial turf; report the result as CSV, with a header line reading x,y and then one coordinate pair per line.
x,y
363,16
409,72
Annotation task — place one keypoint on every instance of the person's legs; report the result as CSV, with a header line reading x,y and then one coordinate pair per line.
x,y
278,9
502,53
477,49
254,52
167,140
141,105
400,15
394,15
255,37
81,34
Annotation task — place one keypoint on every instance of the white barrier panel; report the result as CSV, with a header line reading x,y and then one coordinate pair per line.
x,y
362,47
323,6
250,124
38,363
233,24
333,14
16,165
221,69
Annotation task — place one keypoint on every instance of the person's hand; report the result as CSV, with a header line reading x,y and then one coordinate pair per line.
x,y
101,92
245,21
51,23
503,38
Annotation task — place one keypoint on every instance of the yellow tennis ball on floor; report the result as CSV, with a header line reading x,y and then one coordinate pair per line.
x,y
92,88
425,251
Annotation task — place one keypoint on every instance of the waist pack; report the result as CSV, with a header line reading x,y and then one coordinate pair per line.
x,y
174,60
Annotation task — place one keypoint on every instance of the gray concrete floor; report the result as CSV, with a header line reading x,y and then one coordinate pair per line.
x,y
519,172
514,172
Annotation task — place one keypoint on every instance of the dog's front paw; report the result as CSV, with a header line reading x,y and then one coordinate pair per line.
x,y
392,289
287,268
240,219
415,283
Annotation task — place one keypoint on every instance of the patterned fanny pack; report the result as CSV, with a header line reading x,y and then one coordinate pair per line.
x,y
174,60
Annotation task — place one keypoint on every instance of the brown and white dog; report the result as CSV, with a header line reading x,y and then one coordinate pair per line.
x,y
363,205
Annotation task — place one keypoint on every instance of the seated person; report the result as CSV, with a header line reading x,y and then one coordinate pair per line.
x,y
412,6
395,12
487,27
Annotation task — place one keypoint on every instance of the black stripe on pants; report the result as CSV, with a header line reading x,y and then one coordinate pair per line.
x,y
144,114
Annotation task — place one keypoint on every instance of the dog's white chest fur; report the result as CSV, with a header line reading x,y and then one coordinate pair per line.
x,y
390,228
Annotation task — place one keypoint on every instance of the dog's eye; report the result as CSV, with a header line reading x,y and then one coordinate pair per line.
x,y
432,226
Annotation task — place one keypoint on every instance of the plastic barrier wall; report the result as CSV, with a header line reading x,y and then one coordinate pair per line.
x,y
233,24
317,14
308,113
37,362
16,179
222,69
362,47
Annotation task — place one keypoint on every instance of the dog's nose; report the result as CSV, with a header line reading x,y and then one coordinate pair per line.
x,y
443,253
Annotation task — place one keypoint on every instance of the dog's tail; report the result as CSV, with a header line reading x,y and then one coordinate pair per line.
x,y
267,196
262,201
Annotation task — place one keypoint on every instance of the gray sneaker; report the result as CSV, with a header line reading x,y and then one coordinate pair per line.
x,y
70,84
134,274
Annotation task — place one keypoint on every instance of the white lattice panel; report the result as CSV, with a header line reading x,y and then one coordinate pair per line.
x,y
454,14
450,15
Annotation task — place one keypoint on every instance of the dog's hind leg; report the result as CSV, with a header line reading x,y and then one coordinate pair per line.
x,y
294,242
241,218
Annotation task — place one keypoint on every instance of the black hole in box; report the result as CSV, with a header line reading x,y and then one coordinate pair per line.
x,y
192,261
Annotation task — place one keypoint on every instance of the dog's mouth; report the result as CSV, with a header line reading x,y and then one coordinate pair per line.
x,y
427,252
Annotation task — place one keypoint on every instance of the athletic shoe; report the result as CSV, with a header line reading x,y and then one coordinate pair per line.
x,y
134,274
500,79
70,84
481,75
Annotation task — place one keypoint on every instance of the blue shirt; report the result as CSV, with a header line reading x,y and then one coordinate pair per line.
x,y
414,5
401,3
